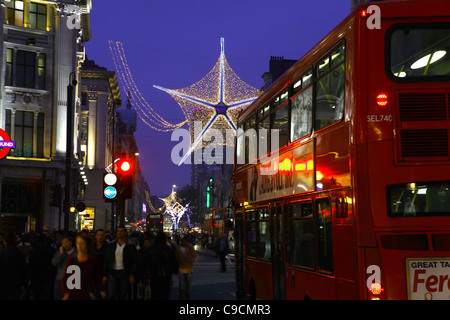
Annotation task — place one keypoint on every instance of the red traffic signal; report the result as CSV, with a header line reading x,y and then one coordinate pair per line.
x,y
125,176
124,166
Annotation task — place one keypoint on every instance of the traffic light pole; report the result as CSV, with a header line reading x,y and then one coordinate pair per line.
x,y
69,148
122,212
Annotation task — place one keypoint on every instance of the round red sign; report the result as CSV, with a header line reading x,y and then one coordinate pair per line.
x,y
6,144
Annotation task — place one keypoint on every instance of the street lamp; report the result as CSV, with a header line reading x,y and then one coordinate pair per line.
x,y
69,147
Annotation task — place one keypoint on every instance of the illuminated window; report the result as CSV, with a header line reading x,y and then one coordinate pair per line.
x,y
26,69
330,84
84,129
9,67
280,121
240,146
301,108
23,132
250,141
41,70
38,16
15,12
263,235
419,199
418,51
264,124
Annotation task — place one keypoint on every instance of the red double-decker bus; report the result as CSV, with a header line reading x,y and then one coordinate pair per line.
x,y
218,222
356,204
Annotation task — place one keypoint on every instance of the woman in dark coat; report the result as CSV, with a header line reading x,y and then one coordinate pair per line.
x,y
90,281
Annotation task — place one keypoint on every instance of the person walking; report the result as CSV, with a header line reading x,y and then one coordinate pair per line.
x,y
222,251
100,248
163,264
12,270
42,269
186,256
90,281
120,266
59,261
143,270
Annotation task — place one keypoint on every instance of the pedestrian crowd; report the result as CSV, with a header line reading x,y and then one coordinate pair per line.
x,y
94,266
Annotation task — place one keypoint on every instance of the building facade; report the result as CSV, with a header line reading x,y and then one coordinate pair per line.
x,y
135,209
41,53
99,98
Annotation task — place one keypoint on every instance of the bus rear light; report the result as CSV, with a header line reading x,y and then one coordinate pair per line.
x,y
364,14
382,99
376,288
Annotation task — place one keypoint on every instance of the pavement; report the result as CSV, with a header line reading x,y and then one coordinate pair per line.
x,y
211,252
208,281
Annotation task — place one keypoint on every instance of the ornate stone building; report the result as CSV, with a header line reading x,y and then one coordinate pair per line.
x,y
41,46
99,98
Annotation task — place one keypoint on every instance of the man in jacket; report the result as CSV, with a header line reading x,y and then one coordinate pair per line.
x,y
120,266
60,260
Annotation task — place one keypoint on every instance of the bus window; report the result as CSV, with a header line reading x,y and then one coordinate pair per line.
x,y
302,235
324,237
280,121
240,146
420,199
251,233
301,115
418,51
329,97
264,140
263,237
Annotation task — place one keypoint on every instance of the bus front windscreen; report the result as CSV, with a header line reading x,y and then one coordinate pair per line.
x,y
419,52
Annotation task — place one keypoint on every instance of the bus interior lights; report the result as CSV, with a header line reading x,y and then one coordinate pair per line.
x,y
411,186
428,59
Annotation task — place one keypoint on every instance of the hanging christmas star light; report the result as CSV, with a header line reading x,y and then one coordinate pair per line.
x,y
174,209
145,112
215,100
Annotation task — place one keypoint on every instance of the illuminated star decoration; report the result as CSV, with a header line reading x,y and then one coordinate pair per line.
x,y
145,112
215,100
174,209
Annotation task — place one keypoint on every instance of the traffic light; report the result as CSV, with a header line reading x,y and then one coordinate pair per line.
x,y
208,197
125,175
55,195
209,192
110,188
211,185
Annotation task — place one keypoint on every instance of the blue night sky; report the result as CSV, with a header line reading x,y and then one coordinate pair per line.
x,y
174,43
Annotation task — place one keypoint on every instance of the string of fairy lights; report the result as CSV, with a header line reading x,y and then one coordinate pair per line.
x,y
145,112
215,100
